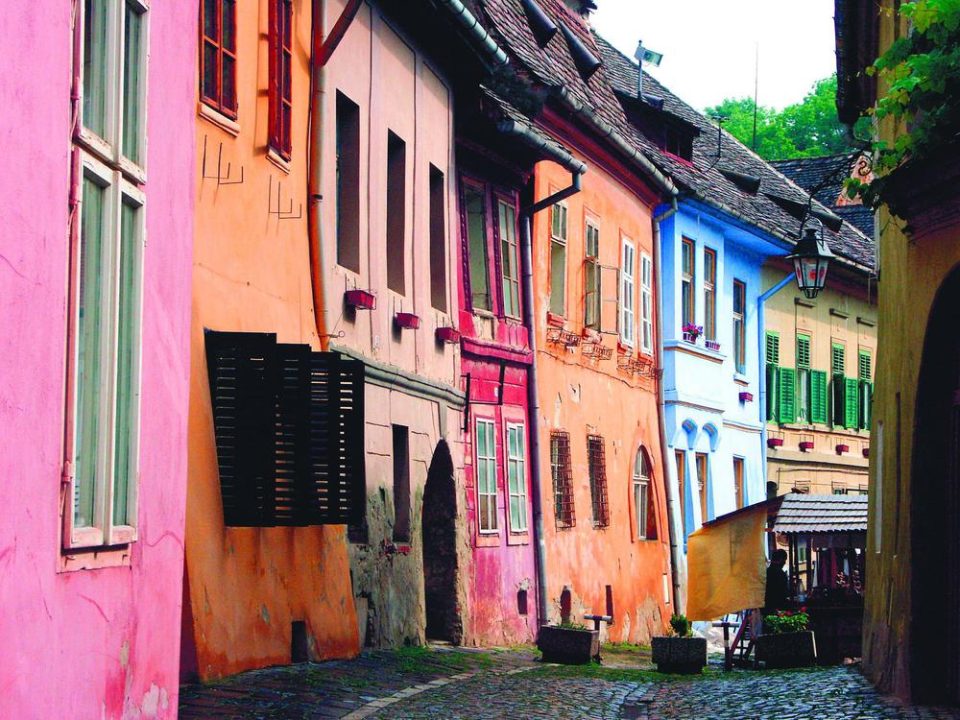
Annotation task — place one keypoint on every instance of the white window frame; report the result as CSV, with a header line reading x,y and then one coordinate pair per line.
x,y
559,238
121,178
641,496
628,285
592,304
108,149
518,461
491,457
646,303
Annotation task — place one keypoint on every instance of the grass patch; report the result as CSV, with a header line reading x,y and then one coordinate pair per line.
x,y
625,647
422,659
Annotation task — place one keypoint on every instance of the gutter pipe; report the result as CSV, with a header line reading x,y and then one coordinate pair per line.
x,y
761,348
554,152
672,500
607,131
474,28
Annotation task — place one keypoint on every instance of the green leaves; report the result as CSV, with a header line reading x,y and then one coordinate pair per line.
x,y
809,128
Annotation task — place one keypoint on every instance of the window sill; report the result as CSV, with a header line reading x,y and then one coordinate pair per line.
x,y
691,349
277,159
94,558
487,539
741,379
218,119
555,320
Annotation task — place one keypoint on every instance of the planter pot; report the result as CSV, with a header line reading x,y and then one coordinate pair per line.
x,y
448,335
680,655
690,337
806,445
787,650
567,645
746,397
712,345
407,321
774,442
841,449
360,299
866,452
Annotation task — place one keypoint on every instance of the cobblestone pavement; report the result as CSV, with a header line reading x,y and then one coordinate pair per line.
x,y
418,684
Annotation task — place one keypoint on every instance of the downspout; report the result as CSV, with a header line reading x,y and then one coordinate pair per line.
x,y
322,51
762,382
672,500
577,169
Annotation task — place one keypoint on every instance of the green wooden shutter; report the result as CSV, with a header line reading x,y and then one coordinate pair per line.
x,y
772,348
864,365
818,396
838,405
773,391
788,395
803,351
851,398
866,404
838,359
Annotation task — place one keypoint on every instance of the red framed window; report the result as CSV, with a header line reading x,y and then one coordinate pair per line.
x,y
281,85
218,55
597,466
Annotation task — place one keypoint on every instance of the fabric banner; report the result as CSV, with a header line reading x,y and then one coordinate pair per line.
x,y
726,565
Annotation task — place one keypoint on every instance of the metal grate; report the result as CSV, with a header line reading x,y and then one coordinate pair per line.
x,y
597,462
560,470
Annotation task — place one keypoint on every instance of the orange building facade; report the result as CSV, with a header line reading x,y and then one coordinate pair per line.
x,y
604,508
254,596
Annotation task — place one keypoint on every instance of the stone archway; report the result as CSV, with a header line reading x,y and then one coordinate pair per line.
x,y
439,533
935,507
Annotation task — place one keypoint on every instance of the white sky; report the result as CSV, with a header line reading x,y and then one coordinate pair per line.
x,y
709,46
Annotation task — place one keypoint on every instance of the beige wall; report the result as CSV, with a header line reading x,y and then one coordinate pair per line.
x,y
845,312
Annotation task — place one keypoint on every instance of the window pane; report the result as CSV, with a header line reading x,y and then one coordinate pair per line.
x,y
508,258
477,247
95,66
89,333
229,39
558,277
229,99
128,393
210,71
132,52
210,18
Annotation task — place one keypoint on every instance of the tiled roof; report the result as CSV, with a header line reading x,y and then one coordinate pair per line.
x,y
827,175
800,513
710,179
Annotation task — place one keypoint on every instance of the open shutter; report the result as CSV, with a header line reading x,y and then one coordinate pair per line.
x,y
818,396
609,299
838,402
292,504
787,412
773,391
243,386
851,399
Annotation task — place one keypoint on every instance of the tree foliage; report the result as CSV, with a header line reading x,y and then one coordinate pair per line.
x,y
809,128
921,74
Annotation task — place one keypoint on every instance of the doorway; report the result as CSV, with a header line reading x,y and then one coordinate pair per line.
x,y
935,508
440,549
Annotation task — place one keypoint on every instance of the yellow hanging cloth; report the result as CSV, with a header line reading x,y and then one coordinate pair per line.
x,y
726,565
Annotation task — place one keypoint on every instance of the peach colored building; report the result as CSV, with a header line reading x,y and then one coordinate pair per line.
x,y
387,270
257,592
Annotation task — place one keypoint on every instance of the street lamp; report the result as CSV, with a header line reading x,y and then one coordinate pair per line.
x,y
811,258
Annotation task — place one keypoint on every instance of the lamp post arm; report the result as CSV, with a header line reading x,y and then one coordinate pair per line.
x,y
762,381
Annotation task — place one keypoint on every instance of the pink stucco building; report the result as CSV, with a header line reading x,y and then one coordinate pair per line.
x,y
95,260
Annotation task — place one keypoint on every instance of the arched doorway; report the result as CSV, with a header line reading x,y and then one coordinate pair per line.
x,y
440,549
935,507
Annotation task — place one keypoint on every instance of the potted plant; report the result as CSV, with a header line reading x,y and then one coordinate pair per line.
x,y
786,640
680,652
691,332
569,643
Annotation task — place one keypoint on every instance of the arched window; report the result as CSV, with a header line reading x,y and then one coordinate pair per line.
x,y
643,506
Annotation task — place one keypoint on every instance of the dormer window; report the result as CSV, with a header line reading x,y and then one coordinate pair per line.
x,y
587,63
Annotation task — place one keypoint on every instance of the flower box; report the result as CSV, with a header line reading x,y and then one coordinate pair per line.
x,y
842,448
406,321
360,299
806,445
786,650
746,397
447,335
568,645
866,452
774,442
690,337
680,654
712,345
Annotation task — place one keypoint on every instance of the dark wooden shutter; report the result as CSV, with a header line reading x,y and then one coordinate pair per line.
x,y
289,431
838,412
242,373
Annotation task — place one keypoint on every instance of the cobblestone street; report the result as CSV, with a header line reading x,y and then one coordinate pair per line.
x,y
417,684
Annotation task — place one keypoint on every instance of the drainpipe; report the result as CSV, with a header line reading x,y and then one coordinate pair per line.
x,y
322,51
672,500
761,349
474,28
539,142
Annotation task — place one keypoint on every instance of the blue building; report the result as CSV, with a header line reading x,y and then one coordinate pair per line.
x,y
735,213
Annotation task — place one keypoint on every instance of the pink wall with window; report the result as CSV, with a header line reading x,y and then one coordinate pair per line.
x,y
100,642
